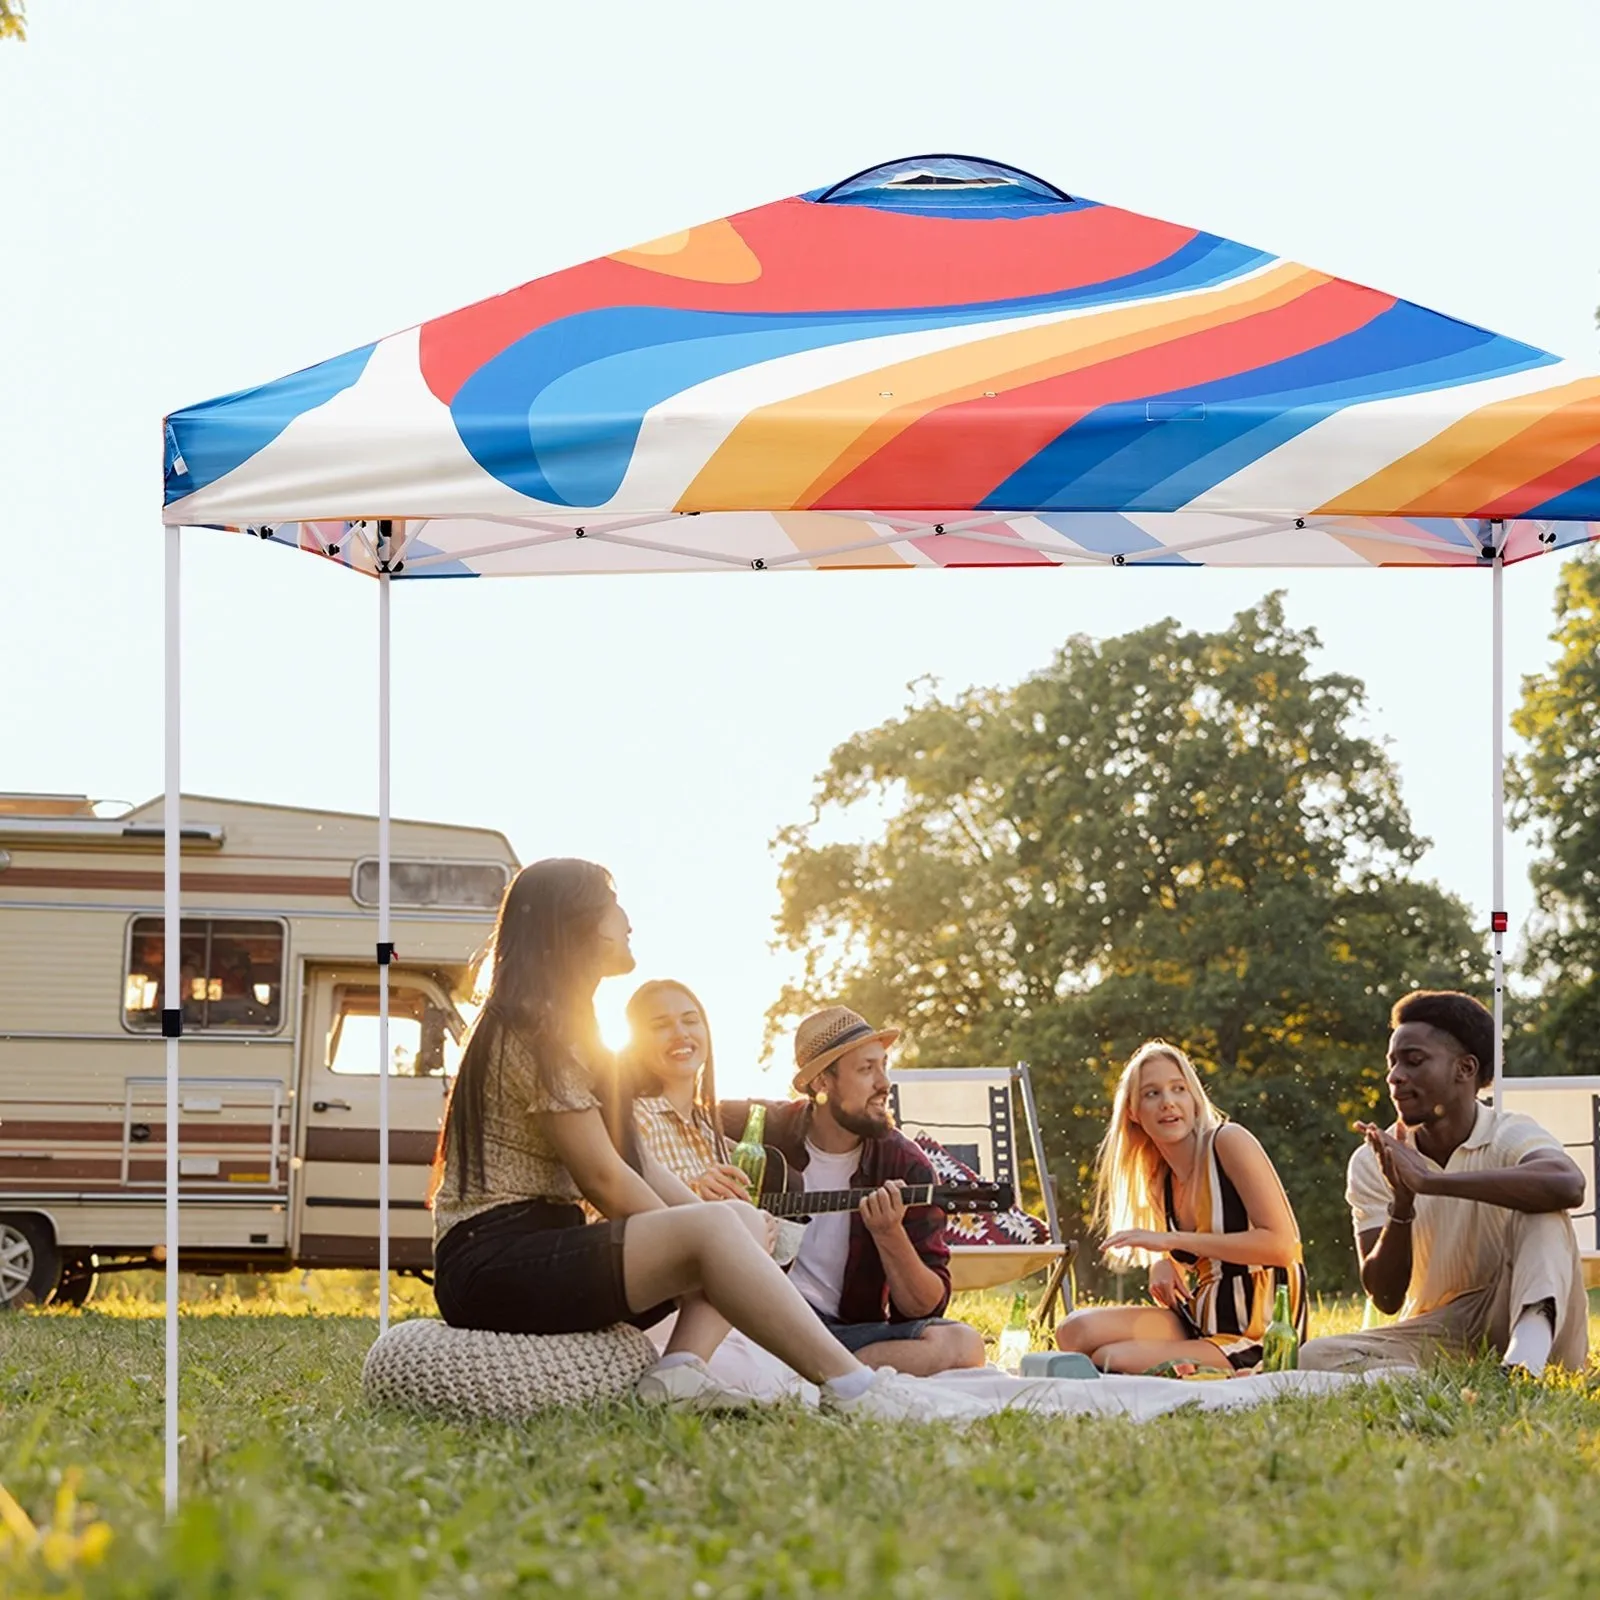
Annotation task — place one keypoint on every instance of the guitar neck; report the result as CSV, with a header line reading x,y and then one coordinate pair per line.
x,y
779,1197
793,1203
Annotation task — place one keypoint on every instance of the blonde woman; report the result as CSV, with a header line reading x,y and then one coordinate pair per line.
x,y
1197,1197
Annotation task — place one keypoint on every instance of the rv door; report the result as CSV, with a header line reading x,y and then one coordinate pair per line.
x,y
337,1117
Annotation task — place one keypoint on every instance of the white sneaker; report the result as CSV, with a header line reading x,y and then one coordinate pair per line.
x,y
894,1397
692,1386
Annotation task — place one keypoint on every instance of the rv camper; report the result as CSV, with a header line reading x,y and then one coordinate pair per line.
x,y
278,1136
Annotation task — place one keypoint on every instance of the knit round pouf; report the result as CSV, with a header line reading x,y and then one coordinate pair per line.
x,y
426,1365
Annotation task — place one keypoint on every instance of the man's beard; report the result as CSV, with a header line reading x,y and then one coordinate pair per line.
x,y
864,1124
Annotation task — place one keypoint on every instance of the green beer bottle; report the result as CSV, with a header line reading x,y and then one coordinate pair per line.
x,y
750,1154
1015,1337
1280,1344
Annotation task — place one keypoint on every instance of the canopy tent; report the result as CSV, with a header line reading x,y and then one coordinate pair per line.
x,y
826,380
939,362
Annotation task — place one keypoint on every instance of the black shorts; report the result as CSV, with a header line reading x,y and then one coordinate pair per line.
x,y
534,1267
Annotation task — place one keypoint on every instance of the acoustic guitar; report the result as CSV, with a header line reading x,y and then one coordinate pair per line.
x,y
782,1195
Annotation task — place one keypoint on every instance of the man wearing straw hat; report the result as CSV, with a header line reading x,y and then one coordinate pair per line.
x,y
879,1277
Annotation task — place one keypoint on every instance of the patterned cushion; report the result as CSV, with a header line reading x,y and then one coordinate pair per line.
x,y
982,1227
426,1365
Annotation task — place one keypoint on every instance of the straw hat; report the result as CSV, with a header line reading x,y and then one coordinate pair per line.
x,y
828,1034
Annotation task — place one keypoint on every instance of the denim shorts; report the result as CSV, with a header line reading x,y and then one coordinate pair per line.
x,y
856,1336
534,1267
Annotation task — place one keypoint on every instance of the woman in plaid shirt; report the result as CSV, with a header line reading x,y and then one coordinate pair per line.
x,y
669,1060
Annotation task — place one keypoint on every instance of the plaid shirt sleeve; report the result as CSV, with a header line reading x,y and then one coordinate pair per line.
x,y
865,1296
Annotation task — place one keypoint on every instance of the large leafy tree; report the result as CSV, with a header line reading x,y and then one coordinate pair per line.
x,y
1167,833
1555,793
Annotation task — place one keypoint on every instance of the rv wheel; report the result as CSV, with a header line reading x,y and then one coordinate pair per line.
x,y
76,1283
30,1264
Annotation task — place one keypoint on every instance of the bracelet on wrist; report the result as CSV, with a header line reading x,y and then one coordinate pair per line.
x,y
1402,1222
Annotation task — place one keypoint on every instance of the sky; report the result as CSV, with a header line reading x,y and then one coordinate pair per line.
x,y
197,196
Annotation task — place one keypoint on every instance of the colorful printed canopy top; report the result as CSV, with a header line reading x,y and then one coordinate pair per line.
x,y
939,362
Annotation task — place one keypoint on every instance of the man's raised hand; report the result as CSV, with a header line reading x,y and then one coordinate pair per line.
x,y
1404,1168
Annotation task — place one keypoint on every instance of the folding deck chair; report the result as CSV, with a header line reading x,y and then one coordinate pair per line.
x,y
969,1112
1569,1108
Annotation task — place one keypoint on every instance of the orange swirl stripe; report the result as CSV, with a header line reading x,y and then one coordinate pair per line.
x,y
793,451
1486,458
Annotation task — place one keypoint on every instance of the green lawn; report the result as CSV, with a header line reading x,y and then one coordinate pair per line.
x,y
1460,1486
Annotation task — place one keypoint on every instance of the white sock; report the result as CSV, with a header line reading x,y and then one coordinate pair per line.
x,y
852,1385
1531,1338
678,1358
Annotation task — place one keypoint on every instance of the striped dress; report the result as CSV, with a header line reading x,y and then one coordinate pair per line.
x,y
1232,1304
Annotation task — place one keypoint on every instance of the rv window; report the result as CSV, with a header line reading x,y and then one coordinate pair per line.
x,y
466,885
422,1036
232,979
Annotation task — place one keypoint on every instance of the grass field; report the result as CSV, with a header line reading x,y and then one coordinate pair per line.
x,y
1460,1485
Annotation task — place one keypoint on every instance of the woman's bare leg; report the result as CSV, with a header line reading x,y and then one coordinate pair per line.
x,y
1139,1355
671,1253
1134,1339
1090,1330
699,1329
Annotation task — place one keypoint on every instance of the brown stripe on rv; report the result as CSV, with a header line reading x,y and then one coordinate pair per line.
x,y
406,1149
14,1132
357,1250
263,883
108,1169
49,1169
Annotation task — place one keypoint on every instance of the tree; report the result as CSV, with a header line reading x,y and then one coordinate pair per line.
x,y
1167,833
1554,788
13,19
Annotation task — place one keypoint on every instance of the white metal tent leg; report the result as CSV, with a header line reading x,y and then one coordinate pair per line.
x,y
1497,919
172,996
385,947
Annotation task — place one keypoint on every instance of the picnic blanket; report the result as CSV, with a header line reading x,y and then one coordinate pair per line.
x,y
744,1364
1138,1399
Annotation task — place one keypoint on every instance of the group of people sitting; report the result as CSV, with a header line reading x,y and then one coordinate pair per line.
x,y
574,1191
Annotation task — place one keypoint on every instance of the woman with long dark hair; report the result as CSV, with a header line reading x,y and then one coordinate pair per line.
x,y
537,1123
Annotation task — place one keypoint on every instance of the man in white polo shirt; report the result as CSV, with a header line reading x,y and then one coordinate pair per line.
x,y
1460,1210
